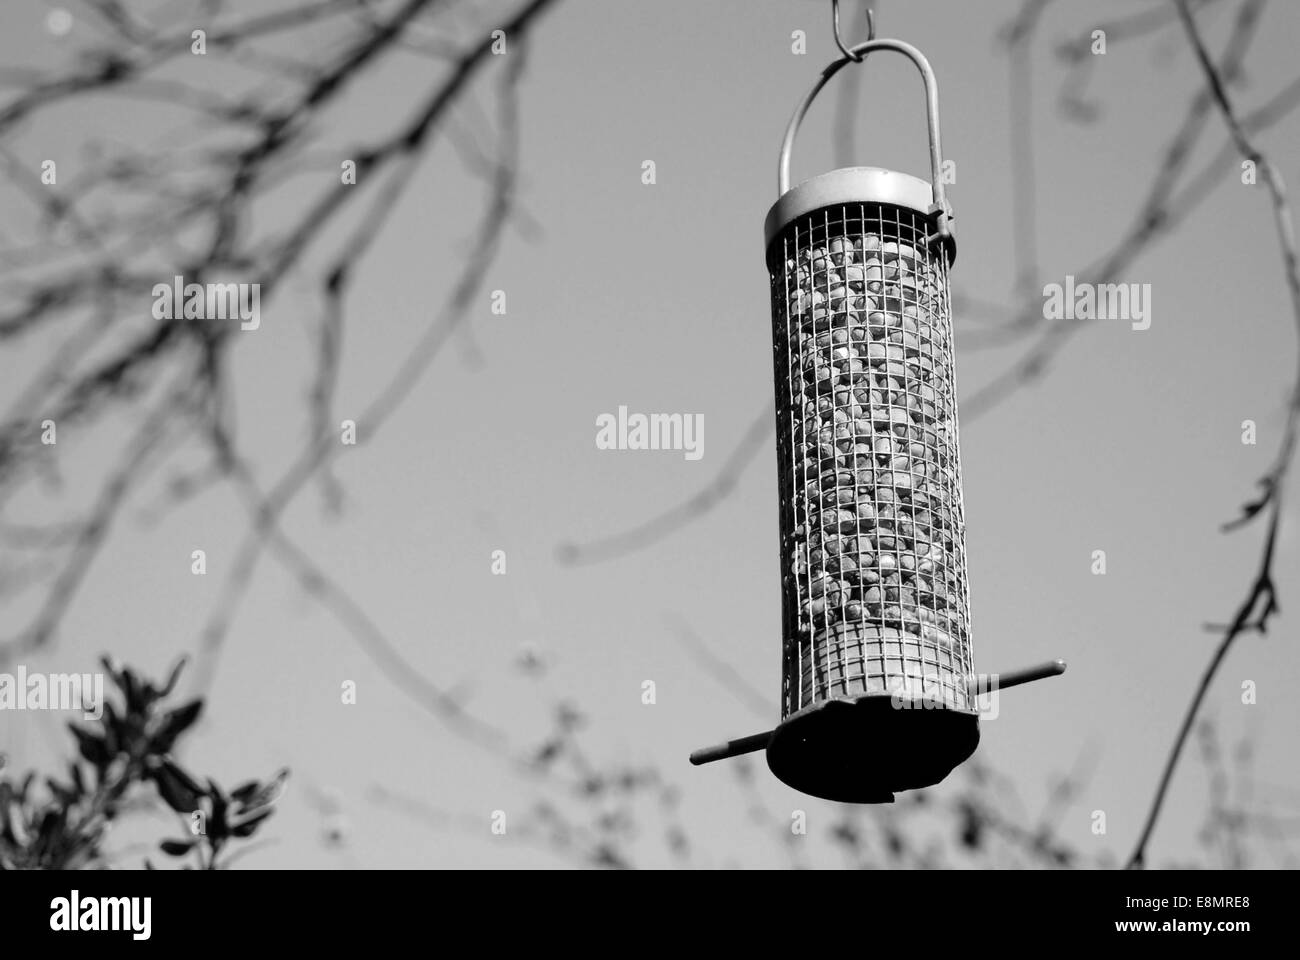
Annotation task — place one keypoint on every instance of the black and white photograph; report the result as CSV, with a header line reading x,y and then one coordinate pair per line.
x,y
591,436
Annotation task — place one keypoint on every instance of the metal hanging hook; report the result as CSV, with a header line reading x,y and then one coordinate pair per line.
x,y
871,32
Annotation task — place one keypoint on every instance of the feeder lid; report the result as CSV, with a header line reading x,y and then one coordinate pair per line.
x,y
851,185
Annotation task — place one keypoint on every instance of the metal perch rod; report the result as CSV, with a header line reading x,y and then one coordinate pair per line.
x,y
976,685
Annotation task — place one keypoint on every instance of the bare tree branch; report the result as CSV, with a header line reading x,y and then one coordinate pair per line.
x,y
1261,600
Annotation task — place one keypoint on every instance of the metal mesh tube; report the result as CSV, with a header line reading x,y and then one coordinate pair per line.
x,y
874,588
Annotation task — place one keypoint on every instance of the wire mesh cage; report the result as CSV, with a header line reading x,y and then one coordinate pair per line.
x,y
875,596
878,682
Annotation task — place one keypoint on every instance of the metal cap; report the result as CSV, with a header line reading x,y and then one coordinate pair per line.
x,y
852,185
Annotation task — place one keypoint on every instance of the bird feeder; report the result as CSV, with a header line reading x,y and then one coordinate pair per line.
x,y
879,692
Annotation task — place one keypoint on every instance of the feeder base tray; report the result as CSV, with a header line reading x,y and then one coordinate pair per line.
x,y
864,749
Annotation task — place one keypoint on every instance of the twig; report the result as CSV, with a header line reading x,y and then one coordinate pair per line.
x,y
1261,600
324,448
657,528
1158,214
94,530
725,673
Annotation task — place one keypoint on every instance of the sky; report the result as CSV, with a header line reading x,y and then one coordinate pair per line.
x,y
655,297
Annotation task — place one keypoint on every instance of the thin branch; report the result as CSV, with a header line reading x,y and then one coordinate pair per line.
x,y
657,528
723,672
1261,600
1157,216
94,530
324,448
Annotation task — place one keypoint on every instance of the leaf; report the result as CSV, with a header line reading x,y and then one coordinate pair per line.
x,y
177,788
113,740
131,687
8,819
64,795
92,747
51,828
17,823
253,796
114,670
247,827
220,804
175,723
175,676
1251,509
178,848
110,722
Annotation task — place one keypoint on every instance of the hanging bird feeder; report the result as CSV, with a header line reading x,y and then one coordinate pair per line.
x,y
879,692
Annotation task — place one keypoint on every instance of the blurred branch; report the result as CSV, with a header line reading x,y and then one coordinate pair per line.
x,y
1163,208
1076,53
1261,599
109,69
280,125
723,672
1018,36
324,447
91,533
657,528
547,828
1223,825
